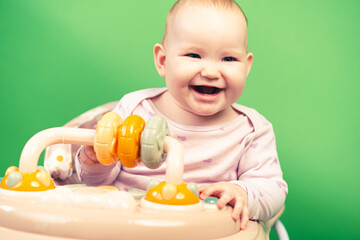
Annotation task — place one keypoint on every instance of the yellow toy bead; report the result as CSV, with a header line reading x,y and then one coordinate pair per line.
x,y
106,137
43,177
11,169
169,191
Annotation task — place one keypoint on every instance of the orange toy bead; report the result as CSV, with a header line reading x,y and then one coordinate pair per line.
x,y
106,137
128,150
171,194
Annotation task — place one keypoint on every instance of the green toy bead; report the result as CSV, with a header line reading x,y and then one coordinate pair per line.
x,y
193,187
152,183
13,179
211,200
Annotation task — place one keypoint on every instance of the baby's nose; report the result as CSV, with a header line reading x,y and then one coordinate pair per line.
x,y
210,70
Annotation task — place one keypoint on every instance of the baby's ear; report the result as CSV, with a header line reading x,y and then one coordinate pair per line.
x,y
249,59
159,59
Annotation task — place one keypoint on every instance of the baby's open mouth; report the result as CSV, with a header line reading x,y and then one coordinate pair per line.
x,y
206,89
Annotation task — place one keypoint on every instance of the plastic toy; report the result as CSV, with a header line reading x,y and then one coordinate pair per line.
x,y
59,157
32,207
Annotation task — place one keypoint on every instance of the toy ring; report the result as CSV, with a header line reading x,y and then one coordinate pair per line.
x,y
152,142
129,140
106,137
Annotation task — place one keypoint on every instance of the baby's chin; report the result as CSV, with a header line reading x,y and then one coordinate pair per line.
x,y
215,116
208,113
203,111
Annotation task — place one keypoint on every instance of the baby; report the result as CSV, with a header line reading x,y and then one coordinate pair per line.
x,y
230,149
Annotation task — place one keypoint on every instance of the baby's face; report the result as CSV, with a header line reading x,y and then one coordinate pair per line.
x,y
206,59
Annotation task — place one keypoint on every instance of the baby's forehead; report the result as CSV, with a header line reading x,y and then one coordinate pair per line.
x,y
211,11
196,28
226,6
175,14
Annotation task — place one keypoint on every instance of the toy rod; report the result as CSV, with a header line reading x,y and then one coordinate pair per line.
x,y
33,148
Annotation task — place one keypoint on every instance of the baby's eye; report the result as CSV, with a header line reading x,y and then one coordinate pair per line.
x,y
229,59
193,55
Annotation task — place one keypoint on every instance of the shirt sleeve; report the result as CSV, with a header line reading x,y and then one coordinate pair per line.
x,y
260,174
97,174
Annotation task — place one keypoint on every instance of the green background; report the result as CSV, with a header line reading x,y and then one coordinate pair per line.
x,y
61,58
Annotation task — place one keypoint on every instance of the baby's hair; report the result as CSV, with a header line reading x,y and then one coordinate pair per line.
x,y
220,4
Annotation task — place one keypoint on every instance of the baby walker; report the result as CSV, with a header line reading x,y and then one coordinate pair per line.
x,y
32,207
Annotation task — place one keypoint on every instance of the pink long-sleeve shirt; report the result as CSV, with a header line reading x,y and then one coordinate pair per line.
x,y
241,151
